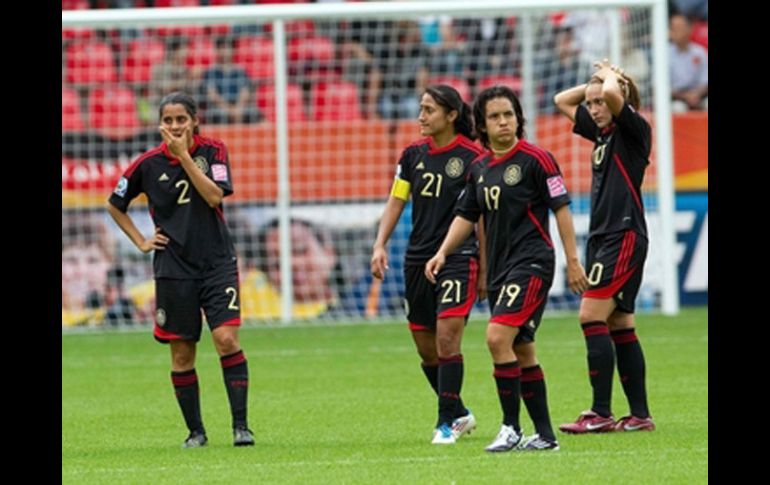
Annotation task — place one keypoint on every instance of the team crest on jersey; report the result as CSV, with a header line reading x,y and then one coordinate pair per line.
x,y
454,167
202,164
512,175
120,189
598,154
160,317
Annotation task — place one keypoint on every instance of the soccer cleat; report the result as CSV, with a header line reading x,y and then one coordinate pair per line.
x,y
589,422
443,435
195,440
242,437
538,443
632,423
463,425
506,440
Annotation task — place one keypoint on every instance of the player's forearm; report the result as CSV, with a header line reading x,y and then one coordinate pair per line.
x,y
393,209
458,232
567,233
211,192
568,100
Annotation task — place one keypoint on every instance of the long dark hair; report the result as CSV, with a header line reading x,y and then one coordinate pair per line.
x,y
179,97
448,98
480,111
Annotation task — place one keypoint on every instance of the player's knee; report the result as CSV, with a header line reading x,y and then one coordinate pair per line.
x,y
226,343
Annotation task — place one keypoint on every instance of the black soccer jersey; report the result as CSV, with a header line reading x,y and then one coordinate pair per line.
x,y
435,178
620,157
514,193
199,240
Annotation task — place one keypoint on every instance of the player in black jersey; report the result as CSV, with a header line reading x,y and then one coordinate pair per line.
x,y
617,243
433,170
185,180
512,186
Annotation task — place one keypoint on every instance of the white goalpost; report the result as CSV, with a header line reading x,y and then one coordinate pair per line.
x,y
330,88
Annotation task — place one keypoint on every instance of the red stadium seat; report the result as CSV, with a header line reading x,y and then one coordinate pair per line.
x,y
142,55
201,53
177,3
112,111
77,33
255,55
74,4
461,85
700,33
335,101
71,118
311,57
90,63
513,82
295,105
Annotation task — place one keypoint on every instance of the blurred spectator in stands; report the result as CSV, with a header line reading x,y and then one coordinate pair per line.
x,y
559,67
405,73
490,47
170,75
228,89
691,8
688,65
445,47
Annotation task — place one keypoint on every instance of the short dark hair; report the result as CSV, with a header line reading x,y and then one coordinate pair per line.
x,y
480,111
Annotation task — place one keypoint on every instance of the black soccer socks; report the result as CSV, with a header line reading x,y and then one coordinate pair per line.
x,y
236,375
507,377
533,394
631,369
601,364
186,390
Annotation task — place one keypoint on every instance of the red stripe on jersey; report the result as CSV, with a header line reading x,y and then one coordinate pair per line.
x,y
221,153
434,150
538,226
628,181
220,213
471,145
626,250
533,288
541,156
464,308
138,161
608,291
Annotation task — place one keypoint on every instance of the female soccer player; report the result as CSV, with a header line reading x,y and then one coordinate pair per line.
x,y
185,180
617,242
512,186
433,170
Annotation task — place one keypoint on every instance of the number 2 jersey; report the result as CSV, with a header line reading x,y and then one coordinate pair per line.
x,y
513,193
434,177
199,241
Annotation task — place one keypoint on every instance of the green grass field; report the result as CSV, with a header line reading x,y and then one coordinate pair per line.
x,y
349,404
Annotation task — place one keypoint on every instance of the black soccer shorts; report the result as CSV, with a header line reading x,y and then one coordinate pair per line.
x,y
520,302
178,305
453,294
614,263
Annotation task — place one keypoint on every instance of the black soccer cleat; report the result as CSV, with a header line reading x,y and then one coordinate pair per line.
x,y
243,437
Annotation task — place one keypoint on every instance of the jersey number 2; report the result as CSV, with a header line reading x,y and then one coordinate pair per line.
x,y
183,198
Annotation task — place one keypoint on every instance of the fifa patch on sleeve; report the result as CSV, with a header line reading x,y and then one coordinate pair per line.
x,y
120,189
556,186
219,172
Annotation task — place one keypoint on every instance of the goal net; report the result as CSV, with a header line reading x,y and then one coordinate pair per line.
x,y
350,84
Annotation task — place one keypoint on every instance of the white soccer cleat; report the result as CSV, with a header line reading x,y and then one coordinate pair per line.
x,y
443,435
506,440
463,425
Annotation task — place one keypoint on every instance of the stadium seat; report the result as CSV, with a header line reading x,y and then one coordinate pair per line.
x,y
460,84
142,55
112,111
71,118
255,55
90,63
201,53
77,33
311,57
177,3
74,4
337,100
513,82
700,33
295,105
